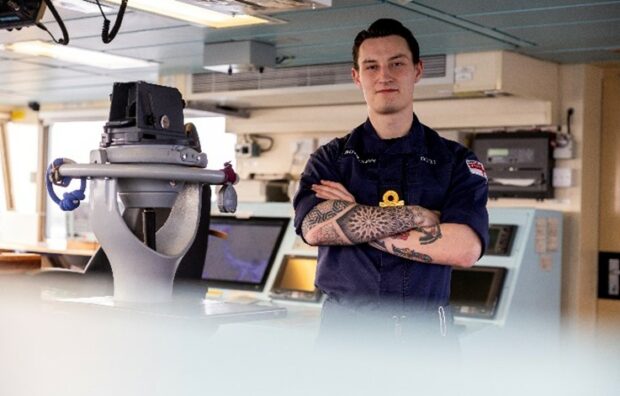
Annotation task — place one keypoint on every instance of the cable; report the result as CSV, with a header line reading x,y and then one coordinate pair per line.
x,y
71,200
268,138
65,35
106,35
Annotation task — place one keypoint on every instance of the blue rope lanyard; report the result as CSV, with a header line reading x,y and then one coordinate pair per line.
x,y
70,200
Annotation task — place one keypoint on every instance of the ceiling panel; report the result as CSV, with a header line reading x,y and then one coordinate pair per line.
x,y
552,17
574,56
75,94
566,37
17,72
471,7
59,83
145,38
8,66
565,31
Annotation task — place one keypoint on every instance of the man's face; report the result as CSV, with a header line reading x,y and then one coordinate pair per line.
x,y
387,74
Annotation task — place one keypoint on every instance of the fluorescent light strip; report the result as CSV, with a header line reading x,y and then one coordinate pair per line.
x,y
191,13
76,55
82,6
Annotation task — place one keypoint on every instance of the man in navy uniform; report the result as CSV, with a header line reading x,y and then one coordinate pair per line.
x,y
392,205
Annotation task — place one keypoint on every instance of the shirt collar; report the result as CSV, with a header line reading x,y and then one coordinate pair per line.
x,y
365,138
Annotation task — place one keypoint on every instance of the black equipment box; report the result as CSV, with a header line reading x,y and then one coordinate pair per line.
x,y
143,113
518,164
16,14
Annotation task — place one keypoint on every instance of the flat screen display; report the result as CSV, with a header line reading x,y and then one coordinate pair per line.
x,y
501,237
475,292
295,280
242,260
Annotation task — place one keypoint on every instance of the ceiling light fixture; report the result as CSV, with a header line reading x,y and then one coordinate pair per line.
x,y
76,55
194,14
85,7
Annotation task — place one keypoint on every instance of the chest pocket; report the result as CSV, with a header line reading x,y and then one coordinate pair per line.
x,y
429,185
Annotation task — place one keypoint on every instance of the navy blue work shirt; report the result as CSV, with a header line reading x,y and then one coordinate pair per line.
x,y
424,169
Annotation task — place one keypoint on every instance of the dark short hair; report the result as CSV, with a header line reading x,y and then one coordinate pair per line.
x,y
382,28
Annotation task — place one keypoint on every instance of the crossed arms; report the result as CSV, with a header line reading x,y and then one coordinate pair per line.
x,y
411,232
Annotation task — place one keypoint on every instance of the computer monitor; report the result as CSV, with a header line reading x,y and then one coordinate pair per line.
x,y
242,260
501,237
295,280
475,292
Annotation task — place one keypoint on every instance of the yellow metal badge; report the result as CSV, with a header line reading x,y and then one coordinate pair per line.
x,y
390,198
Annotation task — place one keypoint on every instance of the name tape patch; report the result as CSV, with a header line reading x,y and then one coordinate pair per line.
x,y
476,168
361,161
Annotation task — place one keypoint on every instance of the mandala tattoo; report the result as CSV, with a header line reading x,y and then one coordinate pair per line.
x,y
322,212
369,223
429,234
412,254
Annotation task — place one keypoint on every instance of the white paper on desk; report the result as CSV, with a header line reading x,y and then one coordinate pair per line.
x,y
514,182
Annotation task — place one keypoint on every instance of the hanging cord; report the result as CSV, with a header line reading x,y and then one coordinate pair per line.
x,y
71,200
65,35
106,35
254,137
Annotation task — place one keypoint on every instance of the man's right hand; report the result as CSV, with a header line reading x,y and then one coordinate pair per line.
x,y
332,190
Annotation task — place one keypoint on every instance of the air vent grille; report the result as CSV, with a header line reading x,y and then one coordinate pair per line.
x,y
299,76
434,66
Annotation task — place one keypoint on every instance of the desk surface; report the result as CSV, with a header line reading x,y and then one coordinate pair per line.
x,y
47,247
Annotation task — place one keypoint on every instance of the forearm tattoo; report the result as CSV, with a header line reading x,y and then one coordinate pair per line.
x,y
329,233
361,224
369,223
407,253
412,254
429,234
322,212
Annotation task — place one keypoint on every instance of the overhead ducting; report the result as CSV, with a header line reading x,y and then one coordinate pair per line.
x,y
468,75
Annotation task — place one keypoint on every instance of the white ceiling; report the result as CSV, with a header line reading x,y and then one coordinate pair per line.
x,y
563,31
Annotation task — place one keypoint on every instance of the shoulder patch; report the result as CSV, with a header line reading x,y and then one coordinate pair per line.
x,y
476,168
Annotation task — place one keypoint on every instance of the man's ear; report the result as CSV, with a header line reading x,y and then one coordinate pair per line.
x,y
355,75
419,70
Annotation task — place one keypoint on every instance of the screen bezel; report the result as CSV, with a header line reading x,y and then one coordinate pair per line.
x,y
283,222
493,298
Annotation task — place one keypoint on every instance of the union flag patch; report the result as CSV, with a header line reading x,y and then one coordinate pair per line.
x,y
476,168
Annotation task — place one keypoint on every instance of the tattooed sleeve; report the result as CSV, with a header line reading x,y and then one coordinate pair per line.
x,y
344,223
369,223
412,254
407,253
323,212
330,233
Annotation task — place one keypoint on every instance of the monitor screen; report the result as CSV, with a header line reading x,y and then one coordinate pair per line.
x,y
295,280
244,258
475,292
501,237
